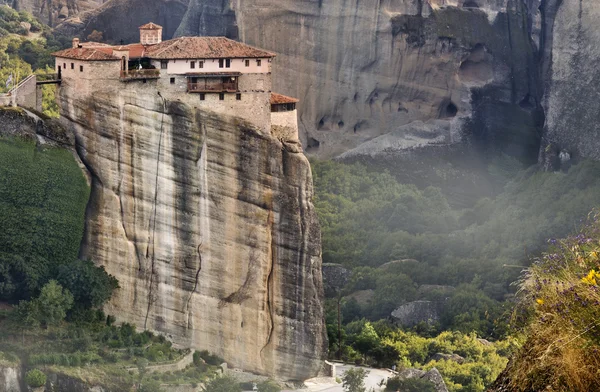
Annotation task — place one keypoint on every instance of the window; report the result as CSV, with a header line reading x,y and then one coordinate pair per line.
x,y
164,64
202,96
200,64
172,80
247,63
220,63
64,65
228,63
221,96
238,97
258,62
72,65
192,64
81,68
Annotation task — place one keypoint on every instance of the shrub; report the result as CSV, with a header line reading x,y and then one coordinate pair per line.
x,y
35,378
409,385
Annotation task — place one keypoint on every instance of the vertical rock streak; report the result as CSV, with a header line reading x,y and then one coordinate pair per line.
x,y
207,223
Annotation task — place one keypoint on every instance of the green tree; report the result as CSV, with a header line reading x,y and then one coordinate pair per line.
x,y
27,314
35,378
91,286
409,385
367,340
353,380
222,384
53,303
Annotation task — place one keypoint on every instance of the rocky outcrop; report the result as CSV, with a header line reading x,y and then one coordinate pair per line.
x,y
433,376
571,100
377,77
118,20
53,12
207,222
413,313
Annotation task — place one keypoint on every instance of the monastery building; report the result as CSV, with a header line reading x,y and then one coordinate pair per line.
x,y
214,73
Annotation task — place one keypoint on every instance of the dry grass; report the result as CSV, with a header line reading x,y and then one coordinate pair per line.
x,y
561,299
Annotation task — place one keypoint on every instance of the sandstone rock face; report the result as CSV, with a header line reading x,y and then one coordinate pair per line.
x,y
393,75
207,221
571,99
415,312
118,20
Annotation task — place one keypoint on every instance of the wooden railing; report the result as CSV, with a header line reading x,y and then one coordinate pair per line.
x,y
141,74
206,86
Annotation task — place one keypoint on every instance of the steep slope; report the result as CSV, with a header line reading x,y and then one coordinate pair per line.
x,y
206,221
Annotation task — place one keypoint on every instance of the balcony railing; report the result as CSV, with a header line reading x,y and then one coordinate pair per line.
x,y
133,74
206,86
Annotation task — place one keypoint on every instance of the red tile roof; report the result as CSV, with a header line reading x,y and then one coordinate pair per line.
x,y
150,26
90,54
135,50
204,48
277,99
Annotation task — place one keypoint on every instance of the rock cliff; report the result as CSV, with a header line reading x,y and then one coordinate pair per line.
x,y
206,221
53,12
413,72
572,77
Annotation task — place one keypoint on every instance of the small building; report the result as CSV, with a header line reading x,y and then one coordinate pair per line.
x,y
216,72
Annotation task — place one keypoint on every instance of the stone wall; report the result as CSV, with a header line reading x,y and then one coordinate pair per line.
x,y
284,125
25,94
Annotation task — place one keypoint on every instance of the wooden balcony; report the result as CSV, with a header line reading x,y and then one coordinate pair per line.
x,y
137,74
212,86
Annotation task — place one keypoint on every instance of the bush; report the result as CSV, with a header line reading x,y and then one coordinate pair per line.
x,y
409,385
35,378
222,384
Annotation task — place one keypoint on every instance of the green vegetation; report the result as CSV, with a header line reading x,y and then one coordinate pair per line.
x,y
471,364
43,196
25,47
559,312
222,384
395,238
354,380
35,378
368,219
409,385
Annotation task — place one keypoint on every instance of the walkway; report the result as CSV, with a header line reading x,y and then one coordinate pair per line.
x,y
373,379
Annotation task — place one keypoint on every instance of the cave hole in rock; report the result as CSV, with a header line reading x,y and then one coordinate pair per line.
x,y
312,143
321,123
470,4
359,125
401,108
355,97
340,124
448,110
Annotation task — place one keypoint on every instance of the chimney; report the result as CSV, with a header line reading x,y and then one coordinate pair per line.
x,y
75,42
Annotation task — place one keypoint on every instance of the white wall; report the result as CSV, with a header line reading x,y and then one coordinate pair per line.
x,y
178,67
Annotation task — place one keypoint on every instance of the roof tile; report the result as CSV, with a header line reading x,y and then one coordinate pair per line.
x,y
90,54
150,26
277,99
204,48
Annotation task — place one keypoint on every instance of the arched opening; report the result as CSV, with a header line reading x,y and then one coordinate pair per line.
x,y
124,63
